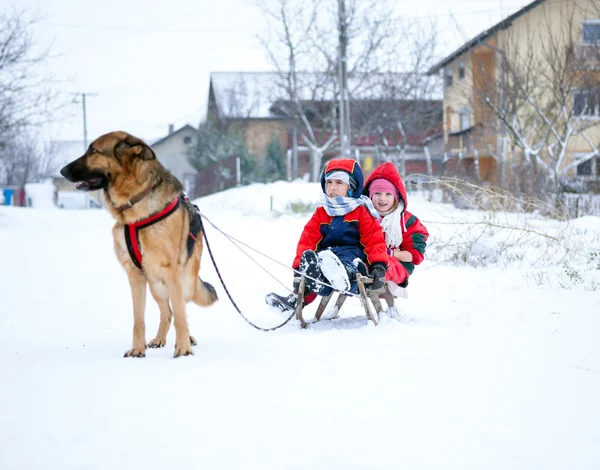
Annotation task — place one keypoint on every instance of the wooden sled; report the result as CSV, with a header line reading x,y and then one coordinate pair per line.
x,y
374,296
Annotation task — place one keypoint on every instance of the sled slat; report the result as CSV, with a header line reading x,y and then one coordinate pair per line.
x,y
362,280
300,303
369,299
322,306
374,296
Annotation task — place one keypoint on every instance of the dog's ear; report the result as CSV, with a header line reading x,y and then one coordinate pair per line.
x,y
132,146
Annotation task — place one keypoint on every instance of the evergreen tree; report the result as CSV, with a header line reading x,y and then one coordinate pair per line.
x,y
275,162
214,145
210,147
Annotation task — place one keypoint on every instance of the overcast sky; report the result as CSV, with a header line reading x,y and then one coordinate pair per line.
x,y
149,62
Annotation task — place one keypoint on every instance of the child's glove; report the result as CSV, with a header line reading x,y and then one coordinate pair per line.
x,y
378,274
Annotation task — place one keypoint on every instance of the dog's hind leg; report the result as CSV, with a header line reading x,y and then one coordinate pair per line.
x,y
137,281
183,343
161,295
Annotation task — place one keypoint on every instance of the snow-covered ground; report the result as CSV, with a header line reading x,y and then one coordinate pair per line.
x,y
495,363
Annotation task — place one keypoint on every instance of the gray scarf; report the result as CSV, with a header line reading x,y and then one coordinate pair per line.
x,y
336,206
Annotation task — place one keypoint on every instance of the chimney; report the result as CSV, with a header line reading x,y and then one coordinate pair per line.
x,y
171,128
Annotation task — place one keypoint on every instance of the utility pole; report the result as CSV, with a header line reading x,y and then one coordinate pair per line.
x,y
344,105
85,144
83,97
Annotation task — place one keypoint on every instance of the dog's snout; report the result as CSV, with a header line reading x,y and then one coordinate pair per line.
x,y
66,170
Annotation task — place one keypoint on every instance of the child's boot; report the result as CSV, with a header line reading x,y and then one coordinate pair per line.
x,y
310,266
334,270
361,267
283,304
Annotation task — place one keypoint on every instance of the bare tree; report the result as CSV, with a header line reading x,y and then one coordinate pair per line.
x,y
289,44
303,44
26,101
24,96
22,161
403,102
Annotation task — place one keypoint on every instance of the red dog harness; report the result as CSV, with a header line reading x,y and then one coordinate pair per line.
x,y
131,231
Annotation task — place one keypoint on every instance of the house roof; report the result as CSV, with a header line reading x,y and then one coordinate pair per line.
x,y
505,23
243,95
173,134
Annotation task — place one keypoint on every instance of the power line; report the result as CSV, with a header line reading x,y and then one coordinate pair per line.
x,y
130,29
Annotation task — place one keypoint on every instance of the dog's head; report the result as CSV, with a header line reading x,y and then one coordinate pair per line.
x,y
108,157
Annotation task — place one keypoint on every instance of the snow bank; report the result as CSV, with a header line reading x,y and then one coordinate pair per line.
x,y
41,195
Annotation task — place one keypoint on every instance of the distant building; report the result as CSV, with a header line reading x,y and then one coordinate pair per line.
x,y
472,132
173,150
251,100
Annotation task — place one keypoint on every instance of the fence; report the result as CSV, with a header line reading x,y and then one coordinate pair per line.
x,y
577,205
219,176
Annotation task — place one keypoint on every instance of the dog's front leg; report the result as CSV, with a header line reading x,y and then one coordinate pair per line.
x,y
137,281
183,344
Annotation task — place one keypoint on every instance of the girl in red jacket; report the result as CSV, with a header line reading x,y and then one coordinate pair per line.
x,y
342,233
405,235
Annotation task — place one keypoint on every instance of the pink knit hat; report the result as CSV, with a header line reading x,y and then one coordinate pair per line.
x,y
381,185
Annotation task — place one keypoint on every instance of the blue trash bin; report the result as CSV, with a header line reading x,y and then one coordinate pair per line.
x,y
8,194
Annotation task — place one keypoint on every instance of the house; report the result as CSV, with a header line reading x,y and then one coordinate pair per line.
x,y
505,69
245,99
173,150
253,102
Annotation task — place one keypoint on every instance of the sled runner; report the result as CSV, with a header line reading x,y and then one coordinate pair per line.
x,y
367,297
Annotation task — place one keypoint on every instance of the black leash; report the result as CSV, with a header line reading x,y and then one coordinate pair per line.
x,y
227,290
237,244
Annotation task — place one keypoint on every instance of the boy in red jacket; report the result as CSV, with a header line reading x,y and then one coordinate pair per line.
x,y
342,233
405,235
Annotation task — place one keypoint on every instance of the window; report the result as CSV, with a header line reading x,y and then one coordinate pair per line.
x,y
461,70
187,140
448,77
465,118
590,167
585,168
591,31
586,102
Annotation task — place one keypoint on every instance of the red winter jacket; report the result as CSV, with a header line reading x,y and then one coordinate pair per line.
x,y
358,230
414,233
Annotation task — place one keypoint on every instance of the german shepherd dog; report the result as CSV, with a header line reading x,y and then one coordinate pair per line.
x,y
164,253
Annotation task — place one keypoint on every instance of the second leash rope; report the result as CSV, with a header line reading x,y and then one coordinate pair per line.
x,y
227,290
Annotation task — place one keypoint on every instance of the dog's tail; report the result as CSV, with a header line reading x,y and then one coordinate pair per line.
x,y
205,294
